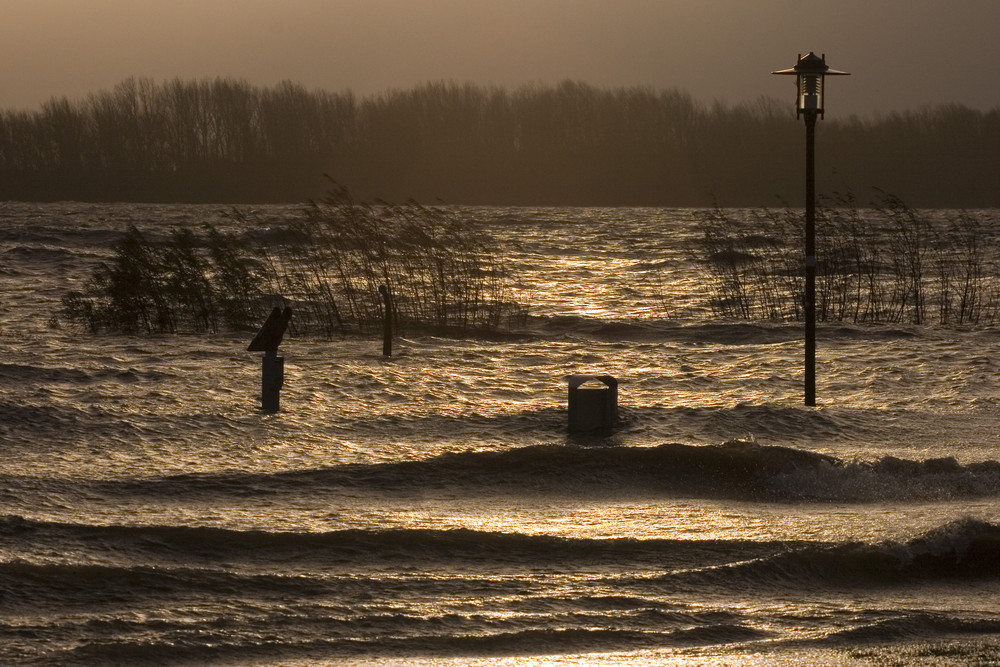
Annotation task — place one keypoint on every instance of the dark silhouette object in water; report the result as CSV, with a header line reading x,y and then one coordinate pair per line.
x,y
386,321
272,373
592,408
809,73
271,332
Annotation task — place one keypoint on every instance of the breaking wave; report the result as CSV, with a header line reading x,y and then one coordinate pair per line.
x,y
965,549
735,470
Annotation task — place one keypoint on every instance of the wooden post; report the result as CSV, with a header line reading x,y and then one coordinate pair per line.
x,y
387,321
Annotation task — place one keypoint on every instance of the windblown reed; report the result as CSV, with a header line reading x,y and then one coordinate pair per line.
x,y
328,264
440,269
886,264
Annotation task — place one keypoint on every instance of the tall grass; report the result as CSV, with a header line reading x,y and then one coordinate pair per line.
x,y
887,263
329,263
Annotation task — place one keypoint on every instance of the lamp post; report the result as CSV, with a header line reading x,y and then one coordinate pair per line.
x,y
810,72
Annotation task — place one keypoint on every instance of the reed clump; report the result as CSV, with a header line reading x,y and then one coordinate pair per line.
x,y
186,282
886,263
442,271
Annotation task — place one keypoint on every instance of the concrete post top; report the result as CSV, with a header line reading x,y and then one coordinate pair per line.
x,y
577,380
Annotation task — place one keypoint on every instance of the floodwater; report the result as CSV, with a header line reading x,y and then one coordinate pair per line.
x,y
431,508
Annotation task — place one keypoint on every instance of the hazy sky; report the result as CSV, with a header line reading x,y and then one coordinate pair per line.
x,y
901,53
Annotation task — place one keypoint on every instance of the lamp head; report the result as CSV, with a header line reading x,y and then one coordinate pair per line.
x,y
810,72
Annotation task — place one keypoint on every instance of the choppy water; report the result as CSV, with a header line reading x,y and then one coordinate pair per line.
x,y
431,508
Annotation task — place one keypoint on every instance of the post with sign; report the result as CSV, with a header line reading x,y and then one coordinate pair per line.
x,y
267,340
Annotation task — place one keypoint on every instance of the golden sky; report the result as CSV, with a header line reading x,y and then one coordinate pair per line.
x,y
902,53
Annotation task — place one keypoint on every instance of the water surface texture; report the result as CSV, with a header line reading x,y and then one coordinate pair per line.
x,y
430,508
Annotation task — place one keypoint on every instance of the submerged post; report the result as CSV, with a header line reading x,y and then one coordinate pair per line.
x,y
386,320
272,371
809,73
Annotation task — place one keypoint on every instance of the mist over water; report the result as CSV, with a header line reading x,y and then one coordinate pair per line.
x,y
431,507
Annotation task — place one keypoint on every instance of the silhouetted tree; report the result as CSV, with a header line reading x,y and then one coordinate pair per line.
x,y
225,140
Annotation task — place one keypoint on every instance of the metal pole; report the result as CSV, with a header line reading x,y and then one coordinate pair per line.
x,y
810,297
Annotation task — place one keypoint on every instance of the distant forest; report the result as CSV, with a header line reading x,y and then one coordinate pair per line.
x,y
227,141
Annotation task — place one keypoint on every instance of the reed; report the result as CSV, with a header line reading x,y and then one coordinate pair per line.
x,y
440,269
187,282
443,272
887,263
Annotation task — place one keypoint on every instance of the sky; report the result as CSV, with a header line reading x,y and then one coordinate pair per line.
x,y
902,54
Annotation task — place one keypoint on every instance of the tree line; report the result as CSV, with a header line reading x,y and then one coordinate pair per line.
x,y
227,141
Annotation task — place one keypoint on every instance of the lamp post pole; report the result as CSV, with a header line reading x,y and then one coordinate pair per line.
x,y
809,73
810,296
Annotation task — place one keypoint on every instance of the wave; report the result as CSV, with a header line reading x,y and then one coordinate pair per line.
x,y
33,417
39,254
33,426
768,421
541,326
724,333
962,550
275,638
29,373
532,642
211,610
686,332
183,545
25,585
733,470
21,372
57,246
914,626
967,548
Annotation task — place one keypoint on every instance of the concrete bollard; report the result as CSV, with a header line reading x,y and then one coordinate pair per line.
x,y
592,408
272,369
